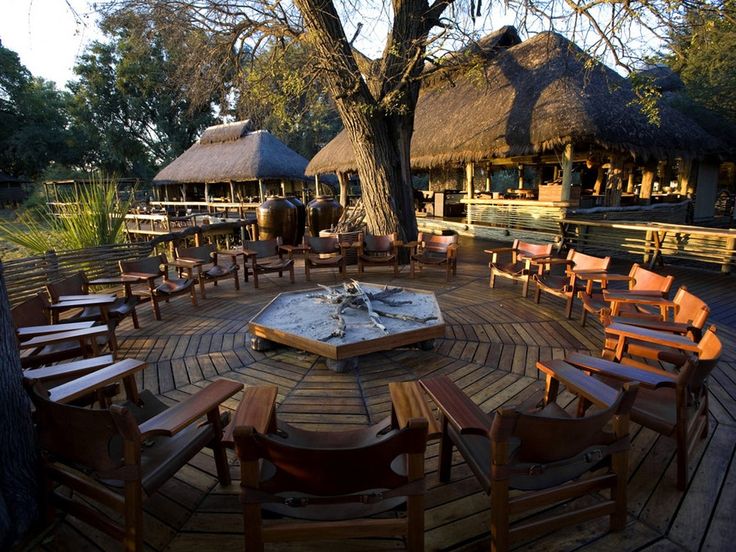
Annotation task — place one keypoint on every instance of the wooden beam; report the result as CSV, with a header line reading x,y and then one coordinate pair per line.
x,y
647,180
685,175
469,173
566,172
342,179
260,190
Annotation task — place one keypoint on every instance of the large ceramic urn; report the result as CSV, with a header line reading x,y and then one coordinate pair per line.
x,y
277,218
323,212
301,217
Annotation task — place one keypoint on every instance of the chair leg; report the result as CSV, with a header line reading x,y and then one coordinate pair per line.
x,y
537,293
237,280
223,470
492,282
500,541
194,295
255,279
396,268
134,316
584,316
568,307
133,540
525,287
411,269
415,523
291,273
445,456
449,272
201,288
156,309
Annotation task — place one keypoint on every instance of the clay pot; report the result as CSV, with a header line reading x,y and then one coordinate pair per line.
x,y
301,217
323,212
277,217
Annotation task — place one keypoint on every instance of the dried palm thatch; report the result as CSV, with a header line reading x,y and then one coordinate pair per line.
x,y
530,98
234,152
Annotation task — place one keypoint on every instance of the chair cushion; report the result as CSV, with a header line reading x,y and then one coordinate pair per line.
x,y
511,269
430,257
173,286
219,271
653,408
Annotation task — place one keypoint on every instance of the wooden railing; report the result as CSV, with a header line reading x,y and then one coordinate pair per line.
x,y
654,241
537,216
26,277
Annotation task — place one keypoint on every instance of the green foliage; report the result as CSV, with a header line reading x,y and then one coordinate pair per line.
x,y
33,120
95,217
129,112
704,54
278,89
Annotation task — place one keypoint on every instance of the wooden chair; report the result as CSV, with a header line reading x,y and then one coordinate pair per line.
x,y
688,316
205,260
640,281
74,291
378,250
42,343
109,458
332,479
324,252
149,270
265,257
567,285
541,452
518,268
672,404
434,250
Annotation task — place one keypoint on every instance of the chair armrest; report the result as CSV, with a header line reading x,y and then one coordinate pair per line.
x,y
632,296
122,279
35,331
249,253
96,380
186,262
411,244
457,407
652,324
579,383
499,250
408,402
58,337
652,336
68,369
141,276
652,378
172,420
90,301
257,409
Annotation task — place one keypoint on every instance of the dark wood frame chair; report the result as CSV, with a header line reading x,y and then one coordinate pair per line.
x,y
42,343
640,281
266,256
542,452
520,267
329,478
100,453
324,252
378,250
150,269
567,285
434,250
689,315
204,258
672,404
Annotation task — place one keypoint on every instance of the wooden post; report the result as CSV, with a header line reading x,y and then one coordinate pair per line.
x,y
566,172
521,175
342,179
207,196
684,175
706,192
469,173
647,179
232,192
598,186
316,185
630,180
260,190
614,186
283,189
489,177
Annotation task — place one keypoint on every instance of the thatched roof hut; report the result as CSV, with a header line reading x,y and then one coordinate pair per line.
x,y
531,98
234,152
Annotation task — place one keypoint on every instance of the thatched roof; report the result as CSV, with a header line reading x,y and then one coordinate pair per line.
x,y
530,98
234,152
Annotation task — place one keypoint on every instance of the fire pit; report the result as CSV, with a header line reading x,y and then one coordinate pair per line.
x,y
343,322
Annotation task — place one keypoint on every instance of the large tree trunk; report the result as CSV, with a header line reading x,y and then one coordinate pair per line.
x,y
18,459
377,105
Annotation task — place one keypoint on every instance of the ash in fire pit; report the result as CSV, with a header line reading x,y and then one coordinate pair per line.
x,y
350,320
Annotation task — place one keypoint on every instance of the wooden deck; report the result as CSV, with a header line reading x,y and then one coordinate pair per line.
x,y
492,342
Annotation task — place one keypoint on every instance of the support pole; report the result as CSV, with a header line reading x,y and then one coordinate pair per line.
x,y
566,172
260,190
316,185
469,173
342,179
647,180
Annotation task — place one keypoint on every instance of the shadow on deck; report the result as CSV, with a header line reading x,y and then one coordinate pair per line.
x,y
492,342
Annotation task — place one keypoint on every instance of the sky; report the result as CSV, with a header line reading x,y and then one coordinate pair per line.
x,y
46,34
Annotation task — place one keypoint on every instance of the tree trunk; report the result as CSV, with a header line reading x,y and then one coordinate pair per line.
x,y
18,458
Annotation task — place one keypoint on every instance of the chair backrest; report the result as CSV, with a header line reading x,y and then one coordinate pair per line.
x,y
84,437
31,312
73,285
323,245
690,309
543,438
696,371
331,463
201,253
379,244
588,262
532,249
646,280
264,248
147,265
435,243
